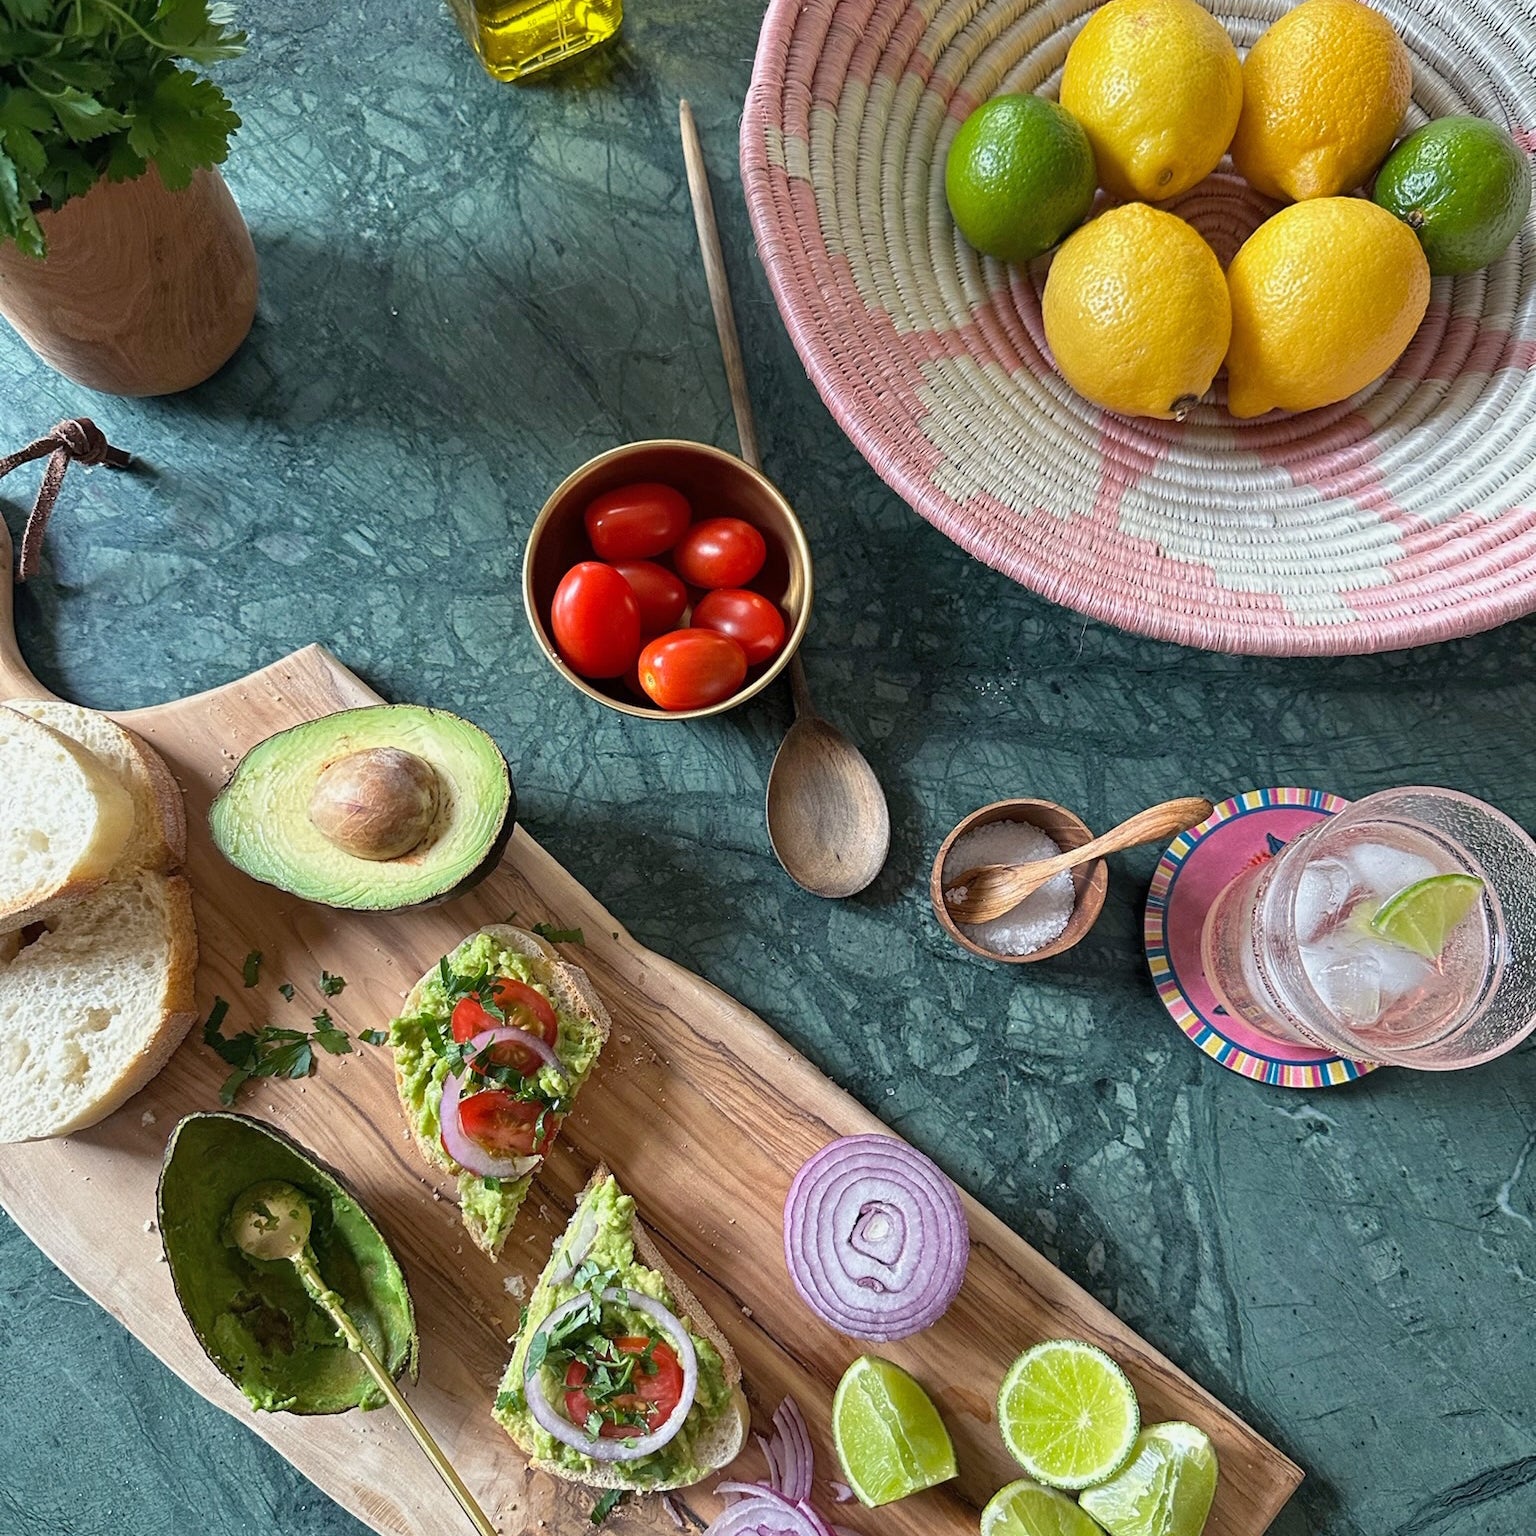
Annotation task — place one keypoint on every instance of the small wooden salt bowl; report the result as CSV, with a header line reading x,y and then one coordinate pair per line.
x,y
1090,881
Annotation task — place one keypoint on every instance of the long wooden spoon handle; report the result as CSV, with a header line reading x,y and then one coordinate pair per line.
x,y
359,1345
1146,826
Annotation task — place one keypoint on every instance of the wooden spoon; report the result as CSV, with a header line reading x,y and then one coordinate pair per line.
x,y
271,1220
990,890
827,818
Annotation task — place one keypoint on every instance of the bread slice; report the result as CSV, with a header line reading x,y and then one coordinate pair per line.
x,y
159,837
93,1008
715,1443
572,993
64,819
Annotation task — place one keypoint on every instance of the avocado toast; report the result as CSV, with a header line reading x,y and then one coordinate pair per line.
x,y
491,1048
619,1379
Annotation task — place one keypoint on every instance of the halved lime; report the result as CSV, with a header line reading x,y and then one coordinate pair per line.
x,y
1165,1490
1026,1509
887,1433
1068,1413
1422,916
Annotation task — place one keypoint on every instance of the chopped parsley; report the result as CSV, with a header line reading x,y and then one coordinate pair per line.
x,y
374,1037
270,1051
287,990
559,935
250,972
331,985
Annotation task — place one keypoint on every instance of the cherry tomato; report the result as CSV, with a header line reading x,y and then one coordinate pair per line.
x,y
637,521
661,595
692,668
656,1392
499,1121
525,1009
721,552
596,620
747,617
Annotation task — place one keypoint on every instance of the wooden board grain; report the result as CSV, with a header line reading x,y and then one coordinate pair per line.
x,y
702,1111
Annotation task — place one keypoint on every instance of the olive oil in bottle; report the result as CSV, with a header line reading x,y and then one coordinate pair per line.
x,y
516,37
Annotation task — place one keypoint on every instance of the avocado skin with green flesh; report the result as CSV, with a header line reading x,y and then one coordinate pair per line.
x,y
253,1317
260,819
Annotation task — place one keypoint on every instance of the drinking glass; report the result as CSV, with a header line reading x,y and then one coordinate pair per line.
x,y
1289,946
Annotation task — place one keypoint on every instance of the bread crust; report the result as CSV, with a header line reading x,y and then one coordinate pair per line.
x,y
731,1432
573,992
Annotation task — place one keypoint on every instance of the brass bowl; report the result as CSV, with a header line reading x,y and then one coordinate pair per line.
x,y
1090,882
717,484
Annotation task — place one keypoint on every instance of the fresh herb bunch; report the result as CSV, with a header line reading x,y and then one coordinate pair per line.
x,y
93,88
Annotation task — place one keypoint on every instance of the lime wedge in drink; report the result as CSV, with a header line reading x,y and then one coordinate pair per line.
x,y
1026,1509
887,1433
1068,1413
1165,1490
1422,916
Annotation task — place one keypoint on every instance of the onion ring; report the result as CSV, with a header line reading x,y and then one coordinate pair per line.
x,y
875,1238
553,1422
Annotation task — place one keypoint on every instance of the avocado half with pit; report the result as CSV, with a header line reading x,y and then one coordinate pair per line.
x,y
253,1316
389,806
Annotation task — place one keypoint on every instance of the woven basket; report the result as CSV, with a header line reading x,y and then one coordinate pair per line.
x,y
1405,514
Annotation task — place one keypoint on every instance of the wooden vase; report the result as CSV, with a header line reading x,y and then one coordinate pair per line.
x,y
143,291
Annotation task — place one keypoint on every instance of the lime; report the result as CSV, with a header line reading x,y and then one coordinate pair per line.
x,y
1422,916
1067,1413
888,1435
1026,1509
1165,1490
1020,174
1463,185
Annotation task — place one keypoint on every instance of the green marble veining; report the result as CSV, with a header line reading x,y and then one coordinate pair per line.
x,y
469,288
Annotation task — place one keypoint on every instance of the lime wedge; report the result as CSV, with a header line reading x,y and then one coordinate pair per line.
x,y
888,1435
1026,1509
1165,1490
1422,916
1068,1413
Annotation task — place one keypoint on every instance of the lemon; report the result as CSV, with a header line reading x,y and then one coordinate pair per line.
x,y
1158,86
1019,175
1165,1489
1324,93
1068,1413
1136,312
1025,1508
1422,916
1325,297
1463,185
887,1433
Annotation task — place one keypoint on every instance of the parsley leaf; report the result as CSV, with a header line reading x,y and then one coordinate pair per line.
x,y
271,1051
559,935
251,970
287,990
374,1037
331,985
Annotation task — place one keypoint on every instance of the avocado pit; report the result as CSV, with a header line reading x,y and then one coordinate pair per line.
x,y
375,804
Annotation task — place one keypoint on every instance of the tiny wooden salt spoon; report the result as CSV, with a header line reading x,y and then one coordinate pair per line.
x,y
990,890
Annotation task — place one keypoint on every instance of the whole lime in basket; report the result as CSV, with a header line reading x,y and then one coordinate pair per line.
x,y
1019,176
1463,186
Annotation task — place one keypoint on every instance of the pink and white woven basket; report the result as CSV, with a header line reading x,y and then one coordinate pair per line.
x,y
1403,515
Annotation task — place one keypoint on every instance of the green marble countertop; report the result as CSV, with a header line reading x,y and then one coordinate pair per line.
x,y
469,288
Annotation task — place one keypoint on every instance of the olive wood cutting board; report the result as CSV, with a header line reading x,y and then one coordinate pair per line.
x,y
702,1111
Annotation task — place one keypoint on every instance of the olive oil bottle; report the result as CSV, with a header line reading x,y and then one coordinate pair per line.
x,y
516,37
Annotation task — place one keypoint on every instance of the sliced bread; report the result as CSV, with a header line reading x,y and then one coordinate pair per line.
x,y
93,1007
64,819
159,837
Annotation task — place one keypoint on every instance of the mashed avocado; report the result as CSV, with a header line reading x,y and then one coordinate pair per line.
x,y
612,1249
488,1207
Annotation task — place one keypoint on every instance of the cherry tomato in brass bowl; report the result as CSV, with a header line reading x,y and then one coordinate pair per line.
x,y
595,617
715,484
660,593
747,617
637,521
720,552
692,669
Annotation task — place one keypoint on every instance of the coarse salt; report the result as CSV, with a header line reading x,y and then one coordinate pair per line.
x,y
1042,916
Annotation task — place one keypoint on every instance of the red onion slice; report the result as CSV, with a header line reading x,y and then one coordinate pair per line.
x,y
764,1512
875,1238
795,1458
555,1423
470,1154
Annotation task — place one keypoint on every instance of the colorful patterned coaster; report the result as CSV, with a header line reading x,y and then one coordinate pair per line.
x,y
1198,864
